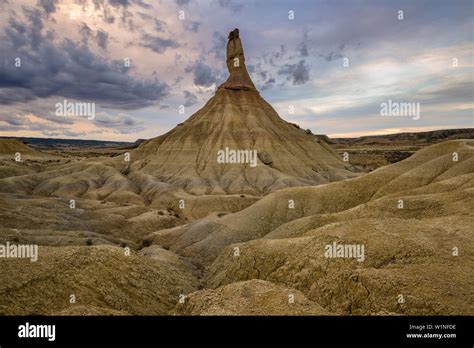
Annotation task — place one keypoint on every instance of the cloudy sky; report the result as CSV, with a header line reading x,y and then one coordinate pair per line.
x,y
79,50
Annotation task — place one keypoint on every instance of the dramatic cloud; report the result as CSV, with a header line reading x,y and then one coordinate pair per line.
x,y
53,50
159,25
189,99
303,49
182,2
48,5
126,3
298,73
231,4
268,84
218,48
330,56
157,44
204,76
100,36
122,123
102,39
66,69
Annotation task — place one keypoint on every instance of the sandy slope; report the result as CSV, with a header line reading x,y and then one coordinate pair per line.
x,y
98,276
409,251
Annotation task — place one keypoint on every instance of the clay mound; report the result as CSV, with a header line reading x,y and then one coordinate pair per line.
x,y
430,137
404,247
238,118
51,221
183,165
401,258
18,159
8,147
106,182
98,276
253,297
426,170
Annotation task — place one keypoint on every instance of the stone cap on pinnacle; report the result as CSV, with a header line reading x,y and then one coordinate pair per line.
x,y
239,78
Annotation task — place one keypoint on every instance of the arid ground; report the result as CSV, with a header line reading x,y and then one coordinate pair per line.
x,y
236,211
127,247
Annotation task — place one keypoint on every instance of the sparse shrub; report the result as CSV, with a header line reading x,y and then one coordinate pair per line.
x,y
89,242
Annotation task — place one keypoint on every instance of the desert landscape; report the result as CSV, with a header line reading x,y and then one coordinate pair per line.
x,y
236,211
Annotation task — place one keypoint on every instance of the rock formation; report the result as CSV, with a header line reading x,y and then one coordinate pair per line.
x,y
175,231
238,118
239,78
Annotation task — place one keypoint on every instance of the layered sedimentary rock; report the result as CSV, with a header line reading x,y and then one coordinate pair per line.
x,y
239,119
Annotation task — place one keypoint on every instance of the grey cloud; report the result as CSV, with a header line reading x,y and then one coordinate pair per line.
x,y
330,56
10,95
49,6
203,74
299,73
22,34
157,44
182,2
64,133
126,3
303,49
268,84
189,99
66,70
219,42
104,119
12,120
107,15
120,2
231,5
453,92
102,38
159,25
273,58
119,123
44,108
86,32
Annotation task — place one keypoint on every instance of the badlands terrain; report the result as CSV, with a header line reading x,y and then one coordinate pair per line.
x,y
237,254
160,227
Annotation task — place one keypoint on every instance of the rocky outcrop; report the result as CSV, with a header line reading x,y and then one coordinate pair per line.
x,y
239,119
239,78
